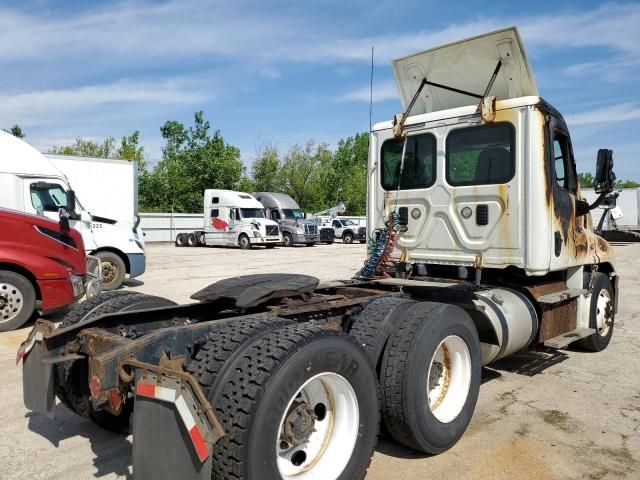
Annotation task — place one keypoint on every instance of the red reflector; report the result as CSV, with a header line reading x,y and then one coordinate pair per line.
x,y
94,387
198,442
146,390
19,355
114,399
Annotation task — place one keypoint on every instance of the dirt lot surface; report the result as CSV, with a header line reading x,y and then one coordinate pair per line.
x,y
568,415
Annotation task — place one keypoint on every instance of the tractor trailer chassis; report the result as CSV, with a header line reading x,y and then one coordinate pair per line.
x,y
141,356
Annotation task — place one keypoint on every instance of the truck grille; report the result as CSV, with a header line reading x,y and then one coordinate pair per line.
x,y
311,229
362,232
272,230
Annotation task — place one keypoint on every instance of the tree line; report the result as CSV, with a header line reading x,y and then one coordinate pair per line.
x,y
195,158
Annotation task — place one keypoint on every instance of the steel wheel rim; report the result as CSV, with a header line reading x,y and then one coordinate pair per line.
x,y
11,302
603,304
322,449
109,271
244,241
449,379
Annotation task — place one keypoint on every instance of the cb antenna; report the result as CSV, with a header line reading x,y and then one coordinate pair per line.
x,y
371,90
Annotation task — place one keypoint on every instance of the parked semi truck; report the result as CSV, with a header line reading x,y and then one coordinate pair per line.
x,y
42,267
31,183
284,210
232,219
482,246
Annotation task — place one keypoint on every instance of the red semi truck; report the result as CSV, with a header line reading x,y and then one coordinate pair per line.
x,y
42,267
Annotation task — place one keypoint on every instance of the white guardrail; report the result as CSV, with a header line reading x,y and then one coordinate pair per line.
x,y
163,227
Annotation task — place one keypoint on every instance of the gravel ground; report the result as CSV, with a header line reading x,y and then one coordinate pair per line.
x,y
569,415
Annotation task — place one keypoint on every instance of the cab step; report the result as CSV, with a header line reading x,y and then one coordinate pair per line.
x,y
565,339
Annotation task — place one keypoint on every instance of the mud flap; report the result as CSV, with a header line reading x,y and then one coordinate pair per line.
x,y
37,383
172,435
37,371
162,448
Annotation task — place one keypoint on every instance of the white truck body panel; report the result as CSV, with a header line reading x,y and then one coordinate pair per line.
x,y
117,195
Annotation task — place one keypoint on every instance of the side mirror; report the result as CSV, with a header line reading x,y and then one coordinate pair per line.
x,y
605,178
71,201
64,220
70,207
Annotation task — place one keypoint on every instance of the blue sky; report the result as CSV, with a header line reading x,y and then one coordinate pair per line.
x,y
268,72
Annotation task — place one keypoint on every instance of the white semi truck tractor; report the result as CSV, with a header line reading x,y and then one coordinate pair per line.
x,y
32,183
481,247
232,219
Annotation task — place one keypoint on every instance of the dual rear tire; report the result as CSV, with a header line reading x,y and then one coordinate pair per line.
x,y
429,369
296,401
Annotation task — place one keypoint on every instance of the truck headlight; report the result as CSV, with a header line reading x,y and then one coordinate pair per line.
x,y
257,234
77,284
299,231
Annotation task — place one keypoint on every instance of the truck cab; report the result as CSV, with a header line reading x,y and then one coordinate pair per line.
x,y
236,219
29,182
492,191
284,210
348,230
42,267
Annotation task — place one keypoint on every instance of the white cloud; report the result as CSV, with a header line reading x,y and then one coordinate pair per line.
x,y
381,92
34,108
622,112
188,29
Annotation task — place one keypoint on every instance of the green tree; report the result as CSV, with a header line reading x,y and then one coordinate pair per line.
x,y
16,131
586,180
627,184
345,176
130,149
299,175
192,161
87,148
265,169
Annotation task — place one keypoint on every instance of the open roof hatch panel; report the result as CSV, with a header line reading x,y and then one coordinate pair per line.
x,y
466,65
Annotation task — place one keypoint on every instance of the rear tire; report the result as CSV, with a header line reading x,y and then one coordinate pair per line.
x,y
278,406
372,327
113,270
192,240
181,240
224,344
72,385
17,300
601,315
430,377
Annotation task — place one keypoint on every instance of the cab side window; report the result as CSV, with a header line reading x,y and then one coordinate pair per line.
x,y
563,162
234,214
275,215
215,212
337,224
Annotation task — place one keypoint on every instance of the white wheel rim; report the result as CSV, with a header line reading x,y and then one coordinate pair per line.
x,y
603,305
322,451
449,379
11,302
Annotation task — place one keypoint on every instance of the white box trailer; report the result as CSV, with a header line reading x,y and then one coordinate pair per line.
x,y
115,195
